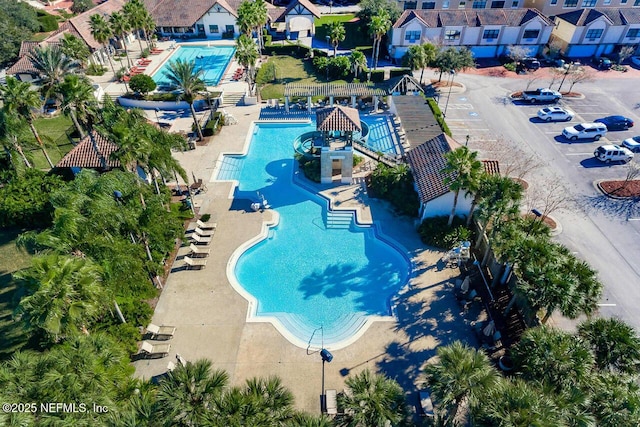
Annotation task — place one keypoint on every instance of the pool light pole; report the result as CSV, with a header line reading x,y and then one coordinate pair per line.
x,y
326,357
327,37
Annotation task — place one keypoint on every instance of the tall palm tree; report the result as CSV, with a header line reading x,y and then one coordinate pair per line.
x,y
120,26
102,32
378,27
78,100
274,401
188,79
11,129
135,12
19,98
187,395
64,295
303,419
246,17
614,343
358,62
416,59
261,19
247,56
618,400
75,49
463,170
148,27
462,375
374,401
52,65
336,35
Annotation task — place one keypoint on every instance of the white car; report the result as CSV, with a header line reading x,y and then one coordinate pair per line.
x,y
613,153
555,114
585,131
632,144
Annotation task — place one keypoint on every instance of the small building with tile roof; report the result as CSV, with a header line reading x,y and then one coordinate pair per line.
x,y
486,32
337,125
94,151
595,32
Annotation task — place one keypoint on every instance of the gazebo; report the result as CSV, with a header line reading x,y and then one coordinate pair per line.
x,y
331,91
337,125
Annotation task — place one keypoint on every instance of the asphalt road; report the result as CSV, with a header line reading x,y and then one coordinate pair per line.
x,y
602,231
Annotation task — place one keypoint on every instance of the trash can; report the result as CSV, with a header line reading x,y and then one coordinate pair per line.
x,y
326,355
192,144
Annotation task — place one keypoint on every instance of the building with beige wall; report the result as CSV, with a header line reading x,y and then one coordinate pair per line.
x,y
556,7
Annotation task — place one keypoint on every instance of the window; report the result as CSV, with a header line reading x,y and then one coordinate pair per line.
x,y
623,1
593,34
570,3
445,4
428,5
200,28
479,4
490,34
531,34
497,4
633,33
636,3
229,29
412,36
515,4
409,5
452,35
606,2
553,2
589,3
462,4
213,29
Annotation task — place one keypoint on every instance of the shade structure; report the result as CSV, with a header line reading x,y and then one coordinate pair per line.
x,y
338,118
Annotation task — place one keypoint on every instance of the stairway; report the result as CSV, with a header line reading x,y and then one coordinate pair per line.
x,y
339,220
230,99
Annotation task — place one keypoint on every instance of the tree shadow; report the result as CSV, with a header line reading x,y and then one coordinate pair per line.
x,y
13,333
620,209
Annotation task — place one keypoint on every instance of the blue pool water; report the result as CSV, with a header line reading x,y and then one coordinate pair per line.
x,y
212,59
379,134
316,268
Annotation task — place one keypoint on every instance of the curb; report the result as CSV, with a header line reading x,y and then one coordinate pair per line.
x,y
596,185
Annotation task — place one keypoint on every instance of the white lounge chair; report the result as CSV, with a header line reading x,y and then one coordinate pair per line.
x,y
171,366
203,233
331,402
426,404
200,240
154,350
207,225
198,252
181,360
163,331
195,262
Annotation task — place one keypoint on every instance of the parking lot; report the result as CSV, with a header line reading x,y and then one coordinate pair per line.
x,y
602,231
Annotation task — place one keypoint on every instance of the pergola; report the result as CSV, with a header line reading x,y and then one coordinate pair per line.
x,y
332,90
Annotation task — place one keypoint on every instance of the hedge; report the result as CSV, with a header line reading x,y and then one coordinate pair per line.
x,y
438,115
48,23
395,72
377,76
287,50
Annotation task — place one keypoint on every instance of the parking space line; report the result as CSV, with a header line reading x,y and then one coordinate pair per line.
x,y
579,154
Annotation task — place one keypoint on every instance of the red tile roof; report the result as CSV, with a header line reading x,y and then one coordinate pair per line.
x,y
470,18
338,118
24,64
93,152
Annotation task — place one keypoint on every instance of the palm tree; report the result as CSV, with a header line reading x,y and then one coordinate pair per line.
x,y
64,295
618,400
187,395
11,129
78,100
614,343
463,170
246,17
188,79
416,59
358,62
303,419
374,401
135,12
76,49
247,56
336,35
102,32
19,98
120,26
462,375
378,27
274,401
148,27
261,19
52,65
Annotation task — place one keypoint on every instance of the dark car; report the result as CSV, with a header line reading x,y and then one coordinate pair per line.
x,y
530,64
602,63
616,122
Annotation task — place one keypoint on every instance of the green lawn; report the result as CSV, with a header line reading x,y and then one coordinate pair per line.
x,y
356,36
53,132
11,260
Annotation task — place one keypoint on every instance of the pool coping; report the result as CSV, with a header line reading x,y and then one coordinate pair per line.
x,y
251,316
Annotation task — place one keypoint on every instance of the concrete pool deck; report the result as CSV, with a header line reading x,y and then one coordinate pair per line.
x,y
210,316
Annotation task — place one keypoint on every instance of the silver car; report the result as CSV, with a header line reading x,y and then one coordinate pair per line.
x,y
555,114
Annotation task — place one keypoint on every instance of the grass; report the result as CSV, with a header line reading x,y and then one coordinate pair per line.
x,y
54,133
290,70
354,37
13,335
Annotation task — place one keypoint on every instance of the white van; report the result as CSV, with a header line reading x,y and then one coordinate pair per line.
x,y
613,153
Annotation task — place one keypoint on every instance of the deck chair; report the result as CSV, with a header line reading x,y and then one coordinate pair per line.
x,y
171,366
331,402
198,186
181,360
203,233
206,225
195,263
154,350
200,240
161,332
197,252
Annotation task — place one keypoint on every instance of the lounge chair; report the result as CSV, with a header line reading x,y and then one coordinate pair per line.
x,y
426,404
154,350
206,225
161,332
200,240
198,186
171,366
197,252
181,360
195,263
331,402
204,233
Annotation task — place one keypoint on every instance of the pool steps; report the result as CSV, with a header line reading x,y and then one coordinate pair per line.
x,y
339,219
350,324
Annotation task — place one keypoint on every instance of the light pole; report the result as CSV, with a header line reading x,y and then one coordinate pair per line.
x,y
326,357
452,73
157,119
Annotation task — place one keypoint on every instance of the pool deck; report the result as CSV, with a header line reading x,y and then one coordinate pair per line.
x,y
210,316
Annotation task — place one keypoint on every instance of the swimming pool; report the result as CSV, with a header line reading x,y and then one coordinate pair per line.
x,y
212,59
316,274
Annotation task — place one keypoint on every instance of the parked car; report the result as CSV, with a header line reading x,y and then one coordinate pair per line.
x,y
613,153
585,131
555,114
616,122
632,144
541,95
530,64
602,63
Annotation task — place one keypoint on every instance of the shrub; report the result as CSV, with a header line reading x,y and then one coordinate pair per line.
x,y
310,166
435,232
511,66
95,70
396,185
206,217
213,126
377,76
438,115
142,83
48,23
266,73
357,160
395,72
339,67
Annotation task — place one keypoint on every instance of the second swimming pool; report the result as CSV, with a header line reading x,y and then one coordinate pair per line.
x,y
213,60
